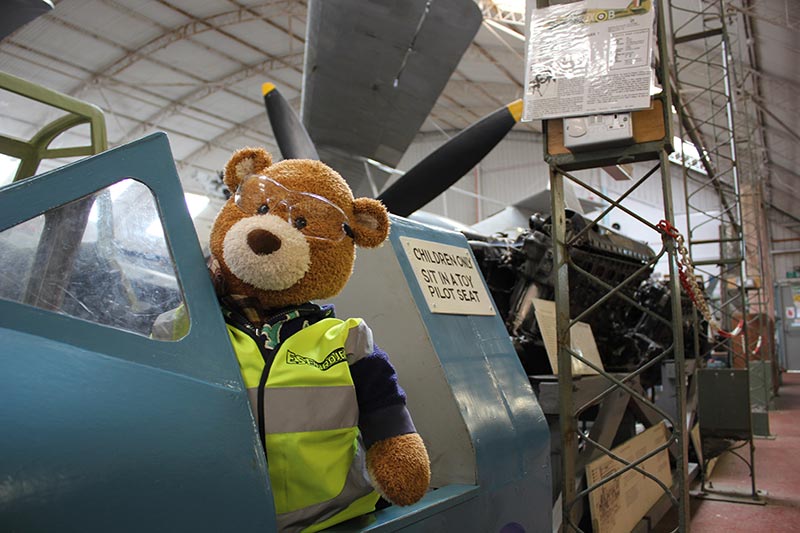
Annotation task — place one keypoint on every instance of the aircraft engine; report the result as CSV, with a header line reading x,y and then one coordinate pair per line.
x,y
519,269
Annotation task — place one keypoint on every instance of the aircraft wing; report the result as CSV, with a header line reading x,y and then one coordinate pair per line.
x,y
373,71
17,13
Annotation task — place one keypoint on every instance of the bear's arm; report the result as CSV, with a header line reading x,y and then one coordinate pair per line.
x,y
381,400
397,461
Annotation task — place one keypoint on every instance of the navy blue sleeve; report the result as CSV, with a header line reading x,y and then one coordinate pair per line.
x,y
381,400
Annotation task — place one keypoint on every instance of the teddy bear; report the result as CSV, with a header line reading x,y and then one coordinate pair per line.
x,y
330,412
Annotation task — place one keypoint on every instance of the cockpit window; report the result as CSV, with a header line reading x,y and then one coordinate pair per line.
x,y
102,258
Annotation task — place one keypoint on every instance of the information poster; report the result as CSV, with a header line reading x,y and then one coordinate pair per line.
x,y
589,57
448,277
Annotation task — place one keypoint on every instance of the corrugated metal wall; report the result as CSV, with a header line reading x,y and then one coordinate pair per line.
x,y
515,170
786,251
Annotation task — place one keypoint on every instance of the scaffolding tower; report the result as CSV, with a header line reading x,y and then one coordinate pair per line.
x,y
579,443
714,118
752,148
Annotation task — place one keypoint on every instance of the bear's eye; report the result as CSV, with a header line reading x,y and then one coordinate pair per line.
x,y
263,209
300,222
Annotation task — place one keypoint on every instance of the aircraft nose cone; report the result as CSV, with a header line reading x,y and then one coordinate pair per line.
x,y
263,242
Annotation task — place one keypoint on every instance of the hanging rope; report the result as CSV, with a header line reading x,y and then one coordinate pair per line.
x,y
758,346
689,282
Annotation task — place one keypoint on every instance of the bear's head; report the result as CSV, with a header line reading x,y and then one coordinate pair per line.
x,y
287,235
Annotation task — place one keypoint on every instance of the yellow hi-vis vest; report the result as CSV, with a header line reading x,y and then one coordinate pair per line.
x,y
310,425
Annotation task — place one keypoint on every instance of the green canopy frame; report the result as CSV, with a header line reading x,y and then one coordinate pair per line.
x,y
31,152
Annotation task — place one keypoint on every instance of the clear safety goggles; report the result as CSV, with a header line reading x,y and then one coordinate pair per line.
x,y
259,195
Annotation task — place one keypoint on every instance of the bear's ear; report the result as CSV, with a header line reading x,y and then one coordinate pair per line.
x,y
371,224
243,163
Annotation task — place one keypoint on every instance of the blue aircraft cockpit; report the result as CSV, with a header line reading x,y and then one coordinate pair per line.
x,y
108,427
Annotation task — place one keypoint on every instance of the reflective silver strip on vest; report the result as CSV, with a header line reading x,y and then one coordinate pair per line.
x,y
356,486
358,343
308,409
296,409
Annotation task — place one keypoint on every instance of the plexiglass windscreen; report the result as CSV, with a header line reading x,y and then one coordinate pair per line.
x,y
102,258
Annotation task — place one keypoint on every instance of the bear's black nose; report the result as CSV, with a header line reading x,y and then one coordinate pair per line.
x,y
263,242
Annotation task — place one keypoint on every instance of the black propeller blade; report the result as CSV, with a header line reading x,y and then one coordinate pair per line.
x,y
429,178
445,166
291,135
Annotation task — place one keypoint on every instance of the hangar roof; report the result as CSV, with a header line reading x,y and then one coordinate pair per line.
x,y
195,70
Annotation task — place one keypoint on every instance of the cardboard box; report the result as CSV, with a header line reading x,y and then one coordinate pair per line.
x,y
620,504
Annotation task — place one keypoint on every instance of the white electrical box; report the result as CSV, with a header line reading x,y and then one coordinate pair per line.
x,y
597,131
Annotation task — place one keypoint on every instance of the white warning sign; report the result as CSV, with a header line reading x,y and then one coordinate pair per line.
x,y
448,278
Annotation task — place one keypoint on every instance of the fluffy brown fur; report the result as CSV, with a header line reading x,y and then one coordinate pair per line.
x,y
331,263
399,466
